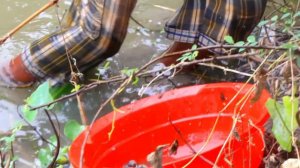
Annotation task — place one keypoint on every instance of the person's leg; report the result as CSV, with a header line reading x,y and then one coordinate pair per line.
x,y
236,18
183,29
98,35
207,22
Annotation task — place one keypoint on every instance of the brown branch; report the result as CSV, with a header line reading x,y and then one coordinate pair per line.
x,y
84,119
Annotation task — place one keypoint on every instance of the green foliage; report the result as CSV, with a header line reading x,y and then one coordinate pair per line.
x,y
7,141
72,129
251,41
130,72
287,20
284,122
42,95
76,88
189,56
229,39
45,155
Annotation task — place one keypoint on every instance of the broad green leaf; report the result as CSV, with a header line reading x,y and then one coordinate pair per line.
x,y
39,97
29,115
229,39
291,108
45,157
72,129
284,122
60,90
251,39
42,95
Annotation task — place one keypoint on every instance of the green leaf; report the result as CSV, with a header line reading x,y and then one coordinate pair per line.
x,y
251,39
59,90
239,43
262,23
229,39
29,115
106,65
274,18
285,16
72,129
136,81
184,57
284,122
129,72
45,157
39,97
194,47
76,88
42,95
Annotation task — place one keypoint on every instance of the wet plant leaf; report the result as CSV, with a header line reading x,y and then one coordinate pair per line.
x,y
251,39
29,115
60,90
72,129
44,156
229,39
284,121
42,95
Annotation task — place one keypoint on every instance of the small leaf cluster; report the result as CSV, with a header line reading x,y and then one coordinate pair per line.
x,y
130,72
251,41
189,56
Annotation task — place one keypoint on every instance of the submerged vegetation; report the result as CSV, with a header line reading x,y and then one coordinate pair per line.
x,y
269,58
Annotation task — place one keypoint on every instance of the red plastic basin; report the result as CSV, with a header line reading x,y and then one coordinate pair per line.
x,y
187,115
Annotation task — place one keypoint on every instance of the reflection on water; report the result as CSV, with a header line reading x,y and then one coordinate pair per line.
x,y
140,46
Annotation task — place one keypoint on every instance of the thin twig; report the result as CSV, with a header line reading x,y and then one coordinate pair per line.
x,y
57,147
34,129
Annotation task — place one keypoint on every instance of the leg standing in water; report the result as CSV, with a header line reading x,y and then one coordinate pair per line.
x,y
97,28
